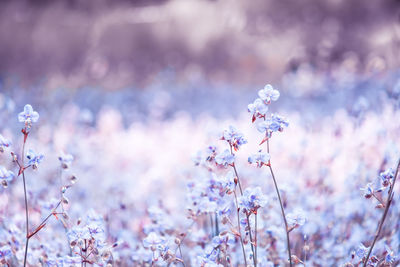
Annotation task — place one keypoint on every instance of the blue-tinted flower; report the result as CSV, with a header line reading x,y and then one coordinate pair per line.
x,y
5,252
386,176
153,239
368,190
34,159
268,93
252,199
361,251
274,124
28,116
4,143
223,238
258,108
96,231
234,137
225,158
390,257
76,234
260,158
210,153
6,176
205,156
296,218
65,159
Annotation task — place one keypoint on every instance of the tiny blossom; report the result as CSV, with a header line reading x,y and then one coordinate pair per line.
x,y
4,143
65,159
361,251
252,199
296,218
28,116
6,176
207,155
222,239
268,93
153,239
274,124
210,153
225,158
260,158
368,190
234,137
386,176
258,108
390,257
78,233
34,158
5,252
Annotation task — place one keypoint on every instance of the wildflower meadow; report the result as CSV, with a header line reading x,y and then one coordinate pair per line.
x,y
188,133
270,194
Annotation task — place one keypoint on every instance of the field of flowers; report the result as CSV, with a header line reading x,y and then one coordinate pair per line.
x,y
258,189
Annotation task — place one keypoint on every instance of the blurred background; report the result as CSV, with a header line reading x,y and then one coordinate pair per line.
x,y
197,54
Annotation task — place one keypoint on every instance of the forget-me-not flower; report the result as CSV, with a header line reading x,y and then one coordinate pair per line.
x,y
152,240
252,199
225,158
34,159
258,108
28,116
260,158
268,93
234,137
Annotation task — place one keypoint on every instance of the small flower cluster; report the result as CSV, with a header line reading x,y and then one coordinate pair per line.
x,y
383,181
88,240
259,108
211,194
252,200
28,116
234,138
34,159
260,159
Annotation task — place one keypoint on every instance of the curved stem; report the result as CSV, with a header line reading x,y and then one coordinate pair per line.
x,y
282,210
381,222
248,217
26,198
